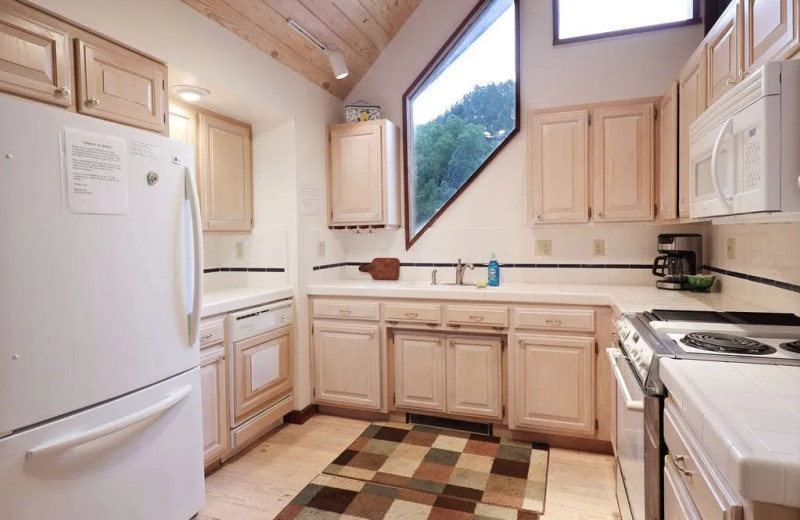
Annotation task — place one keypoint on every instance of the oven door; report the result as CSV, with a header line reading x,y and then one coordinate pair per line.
x,y
630,437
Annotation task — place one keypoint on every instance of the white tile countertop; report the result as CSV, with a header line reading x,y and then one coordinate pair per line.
x,y
218,302
748,418
624,298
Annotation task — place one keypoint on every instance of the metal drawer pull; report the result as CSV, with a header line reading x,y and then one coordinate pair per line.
x,y
205,337
679,459
551,321
344,312
92,102
476,317
412,314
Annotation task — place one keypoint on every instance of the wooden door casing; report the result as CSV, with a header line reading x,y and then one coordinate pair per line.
x,y
419,371
120,85
559,155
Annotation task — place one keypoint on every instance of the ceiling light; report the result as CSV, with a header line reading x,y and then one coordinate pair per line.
x,y
338,65
190,93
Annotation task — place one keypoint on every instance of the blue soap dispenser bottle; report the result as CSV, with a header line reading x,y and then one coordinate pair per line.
x,y
494,272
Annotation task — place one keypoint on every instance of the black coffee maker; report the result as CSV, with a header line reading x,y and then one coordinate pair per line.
x,y
682,255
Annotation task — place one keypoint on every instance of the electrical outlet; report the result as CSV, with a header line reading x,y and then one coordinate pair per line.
x,y
544,248
731,243
239,250
320,249
598,247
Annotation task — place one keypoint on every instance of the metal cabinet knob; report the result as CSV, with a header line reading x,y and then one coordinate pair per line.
x,y
601,215
540,218
93,102
63,92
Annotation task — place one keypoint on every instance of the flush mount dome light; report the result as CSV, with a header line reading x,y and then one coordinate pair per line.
x,y
190,93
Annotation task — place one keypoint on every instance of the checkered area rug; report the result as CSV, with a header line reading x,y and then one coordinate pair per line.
x,y
448,464
330,498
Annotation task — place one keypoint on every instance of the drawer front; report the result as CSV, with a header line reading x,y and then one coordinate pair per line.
x,y
678,504
709,492
476,315
212,331
347,309
413,313
555,319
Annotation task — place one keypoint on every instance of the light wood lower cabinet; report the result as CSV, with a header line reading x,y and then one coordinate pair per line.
x,y
419,371
214,397
553,382
347,364
35,55
474,376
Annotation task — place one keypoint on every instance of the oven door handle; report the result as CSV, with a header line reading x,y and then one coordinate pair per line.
x,y
613,357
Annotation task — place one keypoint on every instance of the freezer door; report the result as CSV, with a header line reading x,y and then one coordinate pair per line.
x,y
91,306
139,457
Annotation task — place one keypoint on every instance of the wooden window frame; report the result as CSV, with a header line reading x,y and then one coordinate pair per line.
x,y
421,81
694,20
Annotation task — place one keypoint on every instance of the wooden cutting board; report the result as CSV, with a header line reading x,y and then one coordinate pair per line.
x,y
382,268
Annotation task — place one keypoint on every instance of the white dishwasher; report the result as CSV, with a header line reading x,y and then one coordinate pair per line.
x,y
260,374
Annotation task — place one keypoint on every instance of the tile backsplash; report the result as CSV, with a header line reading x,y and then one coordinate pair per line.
x,y
265,256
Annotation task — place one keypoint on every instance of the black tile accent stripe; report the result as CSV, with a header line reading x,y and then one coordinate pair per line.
x,y
754,278
245,270
512,266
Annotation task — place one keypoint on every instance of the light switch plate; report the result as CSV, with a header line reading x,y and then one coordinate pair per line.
x,y
544,248
239,250
598,247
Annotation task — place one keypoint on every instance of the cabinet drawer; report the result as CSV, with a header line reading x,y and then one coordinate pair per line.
x,y
413,313
347,309
678,504
555,319
212,331
476,315
708,490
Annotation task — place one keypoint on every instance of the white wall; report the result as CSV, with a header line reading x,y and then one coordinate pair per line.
x,y
492,214
176,34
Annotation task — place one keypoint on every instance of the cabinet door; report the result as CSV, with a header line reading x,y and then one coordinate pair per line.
x,y
770,31
183,124
623,162
35,58
356,174
560,166
120,85
347,365
225,173
419,371
667,207
214,397
554,383
724,52
473,376
691,102
262,372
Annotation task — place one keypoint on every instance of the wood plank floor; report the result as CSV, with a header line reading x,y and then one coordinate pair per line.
x,y
259,483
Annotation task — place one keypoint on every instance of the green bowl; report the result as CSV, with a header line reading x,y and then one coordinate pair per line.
x,y
701,282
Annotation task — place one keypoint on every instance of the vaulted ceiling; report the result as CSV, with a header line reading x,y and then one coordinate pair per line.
x,y
360,29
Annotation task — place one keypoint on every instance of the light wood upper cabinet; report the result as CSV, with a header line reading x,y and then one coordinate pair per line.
x,y
225,172
347,364
692,102
214,399
35,55
553,378
419,371
363,174
667,206
724,52
120,85
474,376
183,124
623,162
770,30
559,158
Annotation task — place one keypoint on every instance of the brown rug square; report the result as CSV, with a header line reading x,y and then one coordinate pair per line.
x,y
449,464
330,497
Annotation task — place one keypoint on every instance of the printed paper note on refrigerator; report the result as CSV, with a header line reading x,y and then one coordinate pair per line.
x,y
97,173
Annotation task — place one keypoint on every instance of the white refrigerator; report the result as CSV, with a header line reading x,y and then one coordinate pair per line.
x,y
100,287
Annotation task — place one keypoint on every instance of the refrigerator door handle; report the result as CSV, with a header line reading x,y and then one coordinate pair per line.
x,y
197,240
110,428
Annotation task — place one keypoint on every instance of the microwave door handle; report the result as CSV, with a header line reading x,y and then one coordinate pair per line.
x,y
726,200
634,406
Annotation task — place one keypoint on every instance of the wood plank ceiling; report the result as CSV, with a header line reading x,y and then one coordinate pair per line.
x,y
360,29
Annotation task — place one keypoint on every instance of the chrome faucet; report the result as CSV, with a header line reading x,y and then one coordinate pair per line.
x,y
460,270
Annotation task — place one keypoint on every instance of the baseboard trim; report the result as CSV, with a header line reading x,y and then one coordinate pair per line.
x,y
301,416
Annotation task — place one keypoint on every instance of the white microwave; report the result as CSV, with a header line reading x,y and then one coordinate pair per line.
x,y
745,149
